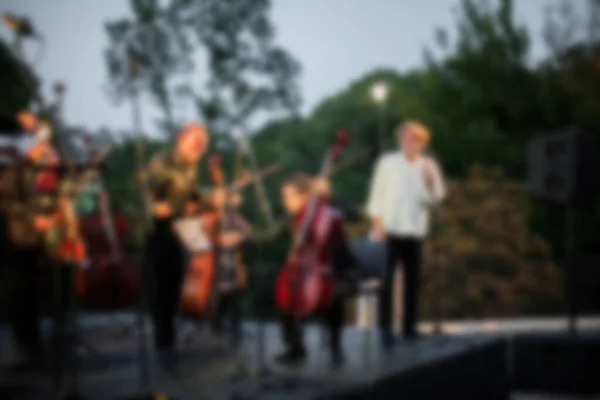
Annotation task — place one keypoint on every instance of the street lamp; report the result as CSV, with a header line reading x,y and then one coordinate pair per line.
x,y
380,93
22,29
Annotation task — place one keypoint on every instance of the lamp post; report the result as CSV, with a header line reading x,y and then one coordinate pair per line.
x,y
60,140
379,95
21,28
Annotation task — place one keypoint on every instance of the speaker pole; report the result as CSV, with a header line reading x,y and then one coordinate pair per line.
x,y
570,268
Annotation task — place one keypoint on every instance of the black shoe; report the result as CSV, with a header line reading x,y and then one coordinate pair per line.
x,y
291,357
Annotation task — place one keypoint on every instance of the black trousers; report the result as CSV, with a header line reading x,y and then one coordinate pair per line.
x,y
229,310
24,305
29,273
166,257
333,320
407,252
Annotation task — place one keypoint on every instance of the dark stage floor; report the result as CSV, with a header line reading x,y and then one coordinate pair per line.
x,y
207,369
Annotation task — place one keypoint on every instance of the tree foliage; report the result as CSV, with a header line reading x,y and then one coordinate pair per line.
x,y
248,72
19,84
484,261
146,51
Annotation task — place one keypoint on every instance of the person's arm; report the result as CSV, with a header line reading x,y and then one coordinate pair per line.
x,y
433,190
246,227
376,197
280,230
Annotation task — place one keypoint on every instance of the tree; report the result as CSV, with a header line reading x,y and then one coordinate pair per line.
x,y
151,47
19,83
249,73
489,96
573,39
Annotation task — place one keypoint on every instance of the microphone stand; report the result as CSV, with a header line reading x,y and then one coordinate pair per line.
x,y
145,391
71,319
263,371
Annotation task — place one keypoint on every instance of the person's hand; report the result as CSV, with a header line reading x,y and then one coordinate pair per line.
x,y
428,175
162,210
219,197
378,232
42,223
321,186
231,239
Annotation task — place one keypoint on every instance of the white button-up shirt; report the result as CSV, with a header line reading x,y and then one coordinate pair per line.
x,y
399,197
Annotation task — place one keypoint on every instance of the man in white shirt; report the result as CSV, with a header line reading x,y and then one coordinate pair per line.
x,y
405,184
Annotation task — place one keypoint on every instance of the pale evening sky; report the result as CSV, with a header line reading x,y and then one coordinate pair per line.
x,y
336,41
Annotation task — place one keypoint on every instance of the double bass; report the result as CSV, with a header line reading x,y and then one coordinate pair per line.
x,y
199,281
108,281
305,285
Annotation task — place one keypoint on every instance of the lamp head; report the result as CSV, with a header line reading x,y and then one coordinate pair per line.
x,y
379,92
20,26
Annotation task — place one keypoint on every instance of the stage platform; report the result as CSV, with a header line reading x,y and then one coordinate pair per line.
x,y
466,367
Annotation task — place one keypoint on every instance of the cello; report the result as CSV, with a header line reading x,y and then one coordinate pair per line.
x,y
198,283
304,286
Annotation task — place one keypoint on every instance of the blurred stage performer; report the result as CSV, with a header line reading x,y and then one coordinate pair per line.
x,y
31,199
327,232
404,185
173,179
232,273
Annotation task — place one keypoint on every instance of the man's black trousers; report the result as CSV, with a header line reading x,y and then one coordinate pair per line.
x,y
403,252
